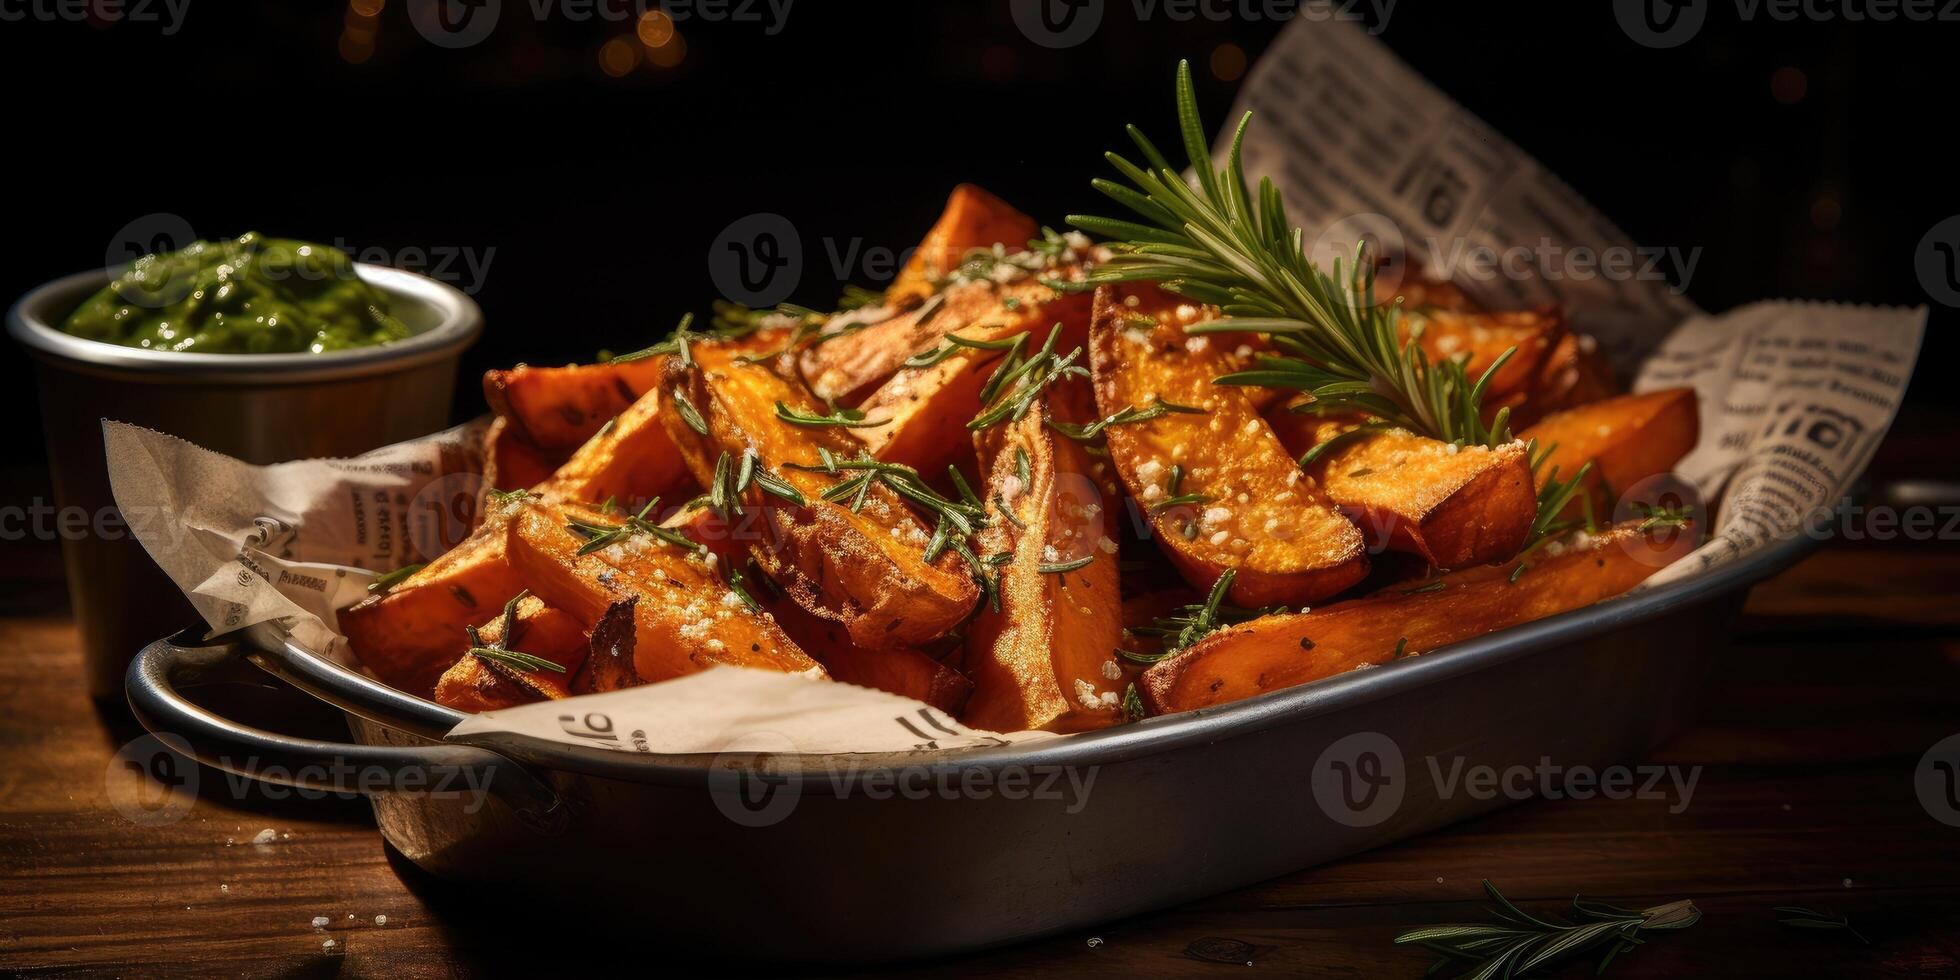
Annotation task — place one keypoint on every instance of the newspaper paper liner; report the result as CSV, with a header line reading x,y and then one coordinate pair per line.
x,y
1794,399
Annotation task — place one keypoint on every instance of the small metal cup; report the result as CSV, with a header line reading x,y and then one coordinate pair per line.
x,y
261,408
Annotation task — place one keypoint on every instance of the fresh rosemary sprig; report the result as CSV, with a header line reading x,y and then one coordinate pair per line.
x,y
956,520
389,580
1553,495
952,343
1798,917
844,418
1190,623
1519,943
1219,246
1024,381
500,651
1058,567
675,345
599,536
1124,416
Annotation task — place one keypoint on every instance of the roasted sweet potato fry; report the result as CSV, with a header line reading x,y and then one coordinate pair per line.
x,y
1239,500
859,559
1044,655
1574,373
1279,651
412,633
973,219
1484,337
512,463
559,408
479,684
686,618
632,460
925,408
848,367
1626,439
1454,506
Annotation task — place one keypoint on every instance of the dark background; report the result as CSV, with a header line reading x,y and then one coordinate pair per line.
x,y
600,195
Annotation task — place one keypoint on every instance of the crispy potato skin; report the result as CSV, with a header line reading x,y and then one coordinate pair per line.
x,y
473,684
1046,658
926,409
1281,651
1289,543
1627,439
1455,509
409,636
972,219
865,569
558,408
686,618
634,461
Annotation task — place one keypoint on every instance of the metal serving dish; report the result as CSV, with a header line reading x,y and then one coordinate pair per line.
x,y
1180,806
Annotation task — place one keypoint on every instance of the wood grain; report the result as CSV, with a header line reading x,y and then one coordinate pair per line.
x,y
1847,669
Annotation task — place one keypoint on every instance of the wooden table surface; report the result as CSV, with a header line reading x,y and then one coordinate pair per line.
x,y
1845,671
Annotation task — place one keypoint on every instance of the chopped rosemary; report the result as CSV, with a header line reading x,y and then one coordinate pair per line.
x,y
847,418
1181,500
1436,586
599,536
1660,516
1331,443
1000,503
1133,704
1218,245
1025,381
1124,416
1188,624
1057,568
389,580
1023,469
957,519
953,343
735,586
690,414
1553,495
500,651
675,345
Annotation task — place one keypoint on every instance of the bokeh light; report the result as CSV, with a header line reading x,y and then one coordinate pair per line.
x,y
618,56
1227,62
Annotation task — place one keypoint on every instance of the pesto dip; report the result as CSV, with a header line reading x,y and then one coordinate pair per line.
x,y
246,295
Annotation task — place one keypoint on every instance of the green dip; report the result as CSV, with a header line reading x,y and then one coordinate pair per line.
x,y
249,295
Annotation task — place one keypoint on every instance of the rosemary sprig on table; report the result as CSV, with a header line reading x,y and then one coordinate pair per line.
x,y
599,536
1518,943
1220,246
500,651
1798,917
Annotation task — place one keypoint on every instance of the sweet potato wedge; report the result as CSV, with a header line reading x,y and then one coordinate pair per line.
x,y
972,219
847,368
477,684
899,670
1453,506
559,408
1279,651
1626,439
412,633
685,619
1044,656
632,460
1574,373
1482,338
863,567
926,408
511,462
1241,501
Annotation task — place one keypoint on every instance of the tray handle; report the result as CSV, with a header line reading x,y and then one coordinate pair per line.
x,y
160,669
